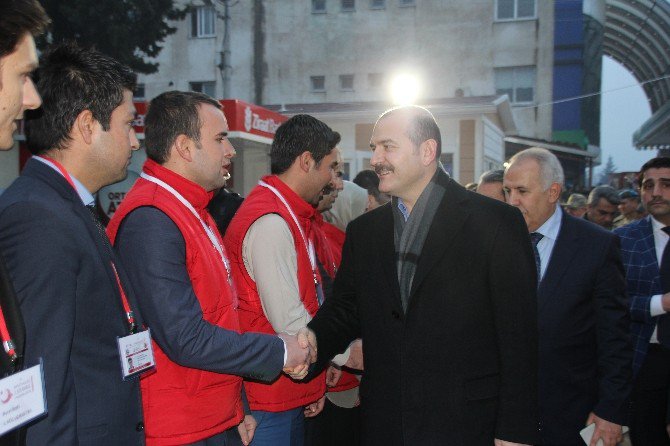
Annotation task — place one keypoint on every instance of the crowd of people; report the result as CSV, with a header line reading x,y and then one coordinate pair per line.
x,y
397,309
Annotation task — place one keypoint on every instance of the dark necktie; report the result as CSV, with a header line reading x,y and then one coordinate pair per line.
x,y
98,224
535,238
663,333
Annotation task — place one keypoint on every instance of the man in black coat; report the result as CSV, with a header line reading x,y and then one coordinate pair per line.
x,y
585,358
440,286
60,261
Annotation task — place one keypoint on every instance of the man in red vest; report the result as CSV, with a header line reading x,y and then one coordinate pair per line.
x,y
178,264
272,248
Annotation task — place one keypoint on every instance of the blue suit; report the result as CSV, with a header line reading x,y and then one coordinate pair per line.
x,y
643,281
585,353
73,313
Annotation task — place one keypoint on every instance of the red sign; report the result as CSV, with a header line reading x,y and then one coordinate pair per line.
x,y
241,116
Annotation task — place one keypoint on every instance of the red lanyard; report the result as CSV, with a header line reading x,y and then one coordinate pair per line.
x,y
7,342
126,305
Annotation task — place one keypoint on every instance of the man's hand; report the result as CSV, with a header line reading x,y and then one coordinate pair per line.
x,y
315,408
497,442
665,301
246,429
609,432
333,375
307,338
297,357
355,360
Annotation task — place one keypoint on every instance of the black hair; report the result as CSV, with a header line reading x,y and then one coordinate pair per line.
x,y
422,126
654,163
171,114
301,133
72,79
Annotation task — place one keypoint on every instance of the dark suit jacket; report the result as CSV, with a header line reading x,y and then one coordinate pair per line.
x,y
585,352
14,321
643,281
460,367
72,310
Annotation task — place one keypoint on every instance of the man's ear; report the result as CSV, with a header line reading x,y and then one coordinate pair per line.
x,y
184,147
428,151
85,126
306,161
554,192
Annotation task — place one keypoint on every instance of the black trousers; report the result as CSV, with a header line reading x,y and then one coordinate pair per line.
x,y
650,399
334,426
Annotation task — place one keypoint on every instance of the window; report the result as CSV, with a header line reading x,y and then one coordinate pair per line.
x,y
318,6
348,5
517,82
318,83
377,4
209,88
203,19
139,92
375,80
406,2
515,9
347,82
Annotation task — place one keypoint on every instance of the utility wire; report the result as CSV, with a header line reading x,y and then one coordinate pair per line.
x,y
575,98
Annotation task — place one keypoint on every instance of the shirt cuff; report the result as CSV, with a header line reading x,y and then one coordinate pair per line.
x,y
656,305
342,358
285,350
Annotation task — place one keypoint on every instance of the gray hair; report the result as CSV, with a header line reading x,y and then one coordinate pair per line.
x,y
551,170
607,192
492,176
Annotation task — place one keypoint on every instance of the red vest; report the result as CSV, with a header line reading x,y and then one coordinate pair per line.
x,y
181,404
284,393
329,241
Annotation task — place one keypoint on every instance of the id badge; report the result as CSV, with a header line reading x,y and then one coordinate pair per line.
x,y
22,398
136,353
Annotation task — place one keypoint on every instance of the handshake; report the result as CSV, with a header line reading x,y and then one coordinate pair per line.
x,y
300,352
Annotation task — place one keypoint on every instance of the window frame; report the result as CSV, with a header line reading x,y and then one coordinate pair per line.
x,y
342,78
515,17
515,86
317,90
324,10
197,21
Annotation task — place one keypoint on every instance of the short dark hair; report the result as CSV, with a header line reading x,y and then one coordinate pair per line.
x,y
654,163
422,126
18,18
72,79
492,176
301,133
171,114
607,192
369,180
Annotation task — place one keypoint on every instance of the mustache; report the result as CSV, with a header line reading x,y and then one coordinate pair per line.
x,y
379,168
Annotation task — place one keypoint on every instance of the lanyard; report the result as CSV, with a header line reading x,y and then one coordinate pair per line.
x,y
124,299
7,341
210,234
309,246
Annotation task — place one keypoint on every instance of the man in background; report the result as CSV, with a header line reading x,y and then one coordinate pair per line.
x,y
491,184
602,206
585,353
576,205
646,257
630,208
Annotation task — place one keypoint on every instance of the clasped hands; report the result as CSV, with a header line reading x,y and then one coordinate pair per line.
x,y
301,352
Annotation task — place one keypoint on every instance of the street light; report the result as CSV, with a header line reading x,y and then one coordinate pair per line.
x,y
405,89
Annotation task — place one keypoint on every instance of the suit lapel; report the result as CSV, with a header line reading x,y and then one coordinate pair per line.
x,y
443,230
648,244
566,247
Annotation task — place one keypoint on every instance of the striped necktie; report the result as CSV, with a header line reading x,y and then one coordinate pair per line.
x,y
535,238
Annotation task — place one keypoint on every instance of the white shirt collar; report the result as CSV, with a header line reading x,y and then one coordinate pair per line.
x,y
657,226
552,226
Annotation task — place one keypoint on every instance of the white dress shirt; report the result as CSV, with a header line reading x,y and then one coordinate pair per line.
x,y
660,240
549,231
